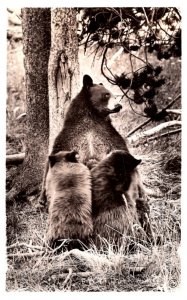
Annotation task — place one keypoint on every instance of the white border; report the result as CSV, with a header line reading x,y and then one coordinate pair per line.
x,y
182,292
87,3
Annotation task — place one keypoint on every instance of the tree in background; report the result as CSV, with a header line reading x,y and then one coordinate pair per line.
x,y
63,66
49,87
36,47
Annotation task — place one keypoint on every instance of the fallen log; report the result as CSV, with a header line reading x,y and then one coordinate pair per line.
x,y
15,159
154,131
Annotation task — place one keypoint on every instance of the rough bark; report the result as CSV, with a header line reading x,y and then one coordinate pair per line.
x,y
36,47
63,75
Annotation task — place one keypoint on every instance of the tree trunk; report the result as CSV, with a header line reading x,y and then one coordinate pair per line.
x,y
36,46
63,75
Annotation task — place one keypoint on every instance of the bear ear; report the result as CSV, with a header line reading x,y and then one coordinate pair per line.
x,y
130,162
53,159
87,81
134,163
72,156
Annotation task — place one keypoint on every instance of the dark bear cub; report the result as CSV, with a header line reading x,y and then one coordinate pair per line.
x,y
68,190
112,215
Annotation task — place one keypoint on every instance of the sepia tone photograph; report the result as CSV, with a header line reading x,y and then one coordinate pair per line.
x,y
93,149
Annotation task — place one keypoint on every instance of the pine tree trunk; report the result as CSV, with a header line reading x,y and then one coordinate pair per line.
x,y
36,46
63,75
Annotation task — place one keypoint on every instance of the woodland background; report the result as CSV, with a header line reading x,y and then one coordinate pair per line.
x,y
155,269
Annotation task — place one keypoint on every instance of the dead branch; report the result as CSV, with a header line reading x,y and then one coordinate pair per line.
x,y
165,134
174,111
26,254
25,245
144,141
138,127
154,130
149,120
172,102
15,159
68,277
159,127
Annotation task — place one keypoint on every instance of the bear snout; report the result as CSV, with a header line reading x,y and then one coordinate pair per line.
x,y
117,108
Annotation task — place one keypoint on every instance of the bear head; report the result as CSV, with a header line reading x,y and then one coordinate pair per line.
x,y
63,156
124,165
101,100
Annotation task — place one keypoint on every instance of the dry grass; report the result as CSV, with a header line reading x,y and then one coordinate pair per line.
x,y
153,268
149,268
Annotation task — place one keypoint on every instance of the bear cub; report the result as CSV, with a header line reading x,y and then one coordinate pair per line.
x,y
112,178
68,191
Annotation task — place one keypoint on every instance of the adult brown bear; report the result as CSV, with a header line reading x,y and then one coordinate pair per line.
x,y
88,130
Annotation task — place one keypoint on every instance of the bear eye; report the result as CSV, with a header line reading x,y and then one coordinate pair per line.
x,y
107,95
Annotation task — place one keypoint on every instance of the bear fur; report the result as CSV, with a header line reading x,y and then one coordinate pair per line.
x,y
112,216
68,189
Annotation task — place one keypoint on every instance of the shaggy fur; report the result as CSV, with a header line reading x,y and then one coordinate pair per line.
x,y
112,216
68,189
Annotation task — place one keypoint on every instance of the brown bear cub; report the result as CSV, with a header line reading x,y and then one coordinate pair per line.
x,y
68,190
112,216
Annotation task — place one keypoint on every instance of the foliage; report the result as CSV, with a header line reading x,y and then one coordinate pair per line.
x,y
139,32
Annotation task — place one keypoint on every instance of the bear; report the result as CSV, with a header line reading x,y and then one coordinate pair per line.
x,y
112,216
68,191
87,129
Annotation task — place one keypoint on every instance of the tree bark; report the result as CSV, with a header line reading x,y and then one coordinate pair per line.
x,y
63,73
36,47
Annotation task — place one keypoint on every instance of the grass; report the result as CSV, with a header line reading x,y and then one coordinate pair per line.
x,y
149,268
155,268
